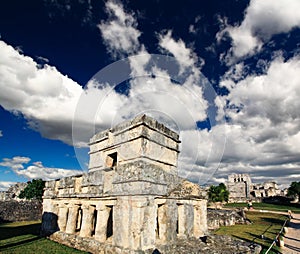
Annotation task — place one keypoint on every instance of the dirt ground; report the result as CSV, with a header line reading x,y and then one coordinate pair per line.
x,y
292,237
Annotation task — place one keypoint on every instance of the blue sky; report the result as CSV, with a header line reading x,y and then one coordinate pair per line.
x,y
234,95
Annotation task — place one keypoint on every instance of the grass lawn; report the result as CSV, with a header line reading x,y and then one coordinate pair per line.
x,y
267,224
23,238
264,206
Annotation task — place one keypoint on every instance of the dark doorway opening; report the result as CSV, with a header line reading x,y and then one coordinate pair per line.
x,y
109,228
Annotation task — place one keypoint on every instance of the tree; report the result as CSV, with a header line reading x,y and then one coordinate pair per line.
x,y
34,190
218,193
294,189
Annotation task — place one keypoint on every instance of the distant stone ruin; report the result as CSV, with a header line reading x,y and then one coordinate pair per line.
x,y
13,192
131,200
12,208
241,188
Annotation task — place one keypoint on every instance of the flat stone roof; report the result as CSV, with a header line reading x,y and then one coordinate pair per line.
x,y
130,124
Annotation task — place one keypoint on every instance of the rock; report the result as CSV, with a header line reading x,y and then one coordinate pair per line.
x,y
217,218
216,244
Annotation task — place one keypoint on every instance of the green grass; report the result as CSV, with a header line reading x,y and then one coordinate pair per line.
x,y
23,238
264,206
267,224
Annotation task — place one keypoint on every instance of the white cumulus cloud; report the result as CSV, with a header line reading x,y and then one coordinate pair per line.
x,y
119,31
4,185
45,97
36,169
263,131
262,20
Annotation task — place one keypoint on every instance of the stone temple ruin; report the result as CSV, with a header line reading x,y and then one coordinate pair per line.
x,y
242,189
131,200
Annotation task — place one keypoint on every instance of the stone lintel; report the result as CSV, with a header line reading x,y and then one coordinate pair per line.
x,y
107,148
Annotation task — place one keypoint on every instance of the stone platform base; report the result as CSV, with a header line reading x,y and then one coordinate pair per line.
x,y
208,244
91,245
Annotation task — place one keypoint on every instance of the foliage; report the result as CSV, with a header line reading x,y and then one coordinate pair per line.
x,y
294,189
34,190
218,193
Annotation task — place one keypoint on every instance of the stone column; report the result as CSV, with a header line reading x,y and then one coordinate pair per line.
x,y
167,222
203,216
185,220
62,217
101,224
87,221
72,219
200,218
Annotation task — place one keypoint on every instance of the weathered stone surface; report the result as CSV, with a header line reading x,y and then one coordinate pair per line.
x,y
185,188
241,189
217,218
211,244
131,200
140,137
20,210
13,192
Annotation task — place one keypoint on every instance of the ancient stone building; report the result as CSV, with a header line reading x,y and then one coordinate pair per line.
x,y
266,189
241,188
131,200
13,192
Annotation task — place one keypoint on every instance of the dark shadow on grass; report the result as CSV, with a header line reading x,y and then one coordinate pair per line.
x,y
22,242
265,239
9,232
273,220
264,245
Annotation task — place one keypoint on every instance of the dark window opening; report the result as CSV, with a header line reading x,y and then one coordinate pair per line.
x,y
111,160
157,222
177,221
94,222
109,228
79,220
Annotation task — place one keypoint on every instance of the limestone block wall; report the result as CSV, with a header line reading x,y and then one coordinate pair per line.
x,y
131,200
130,217
217,218
25,210
131,222
143,137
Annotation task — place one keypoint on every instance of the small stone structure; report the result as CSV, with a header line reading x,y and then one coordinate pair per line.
x,y
267,189
131,200
217,218
12,208
241,189
13,192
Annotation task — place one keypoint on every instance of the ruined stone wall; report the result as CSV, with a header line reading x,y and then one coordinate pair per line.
x,y
12,192
217,218
241,189
143,137
144,207
20,211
